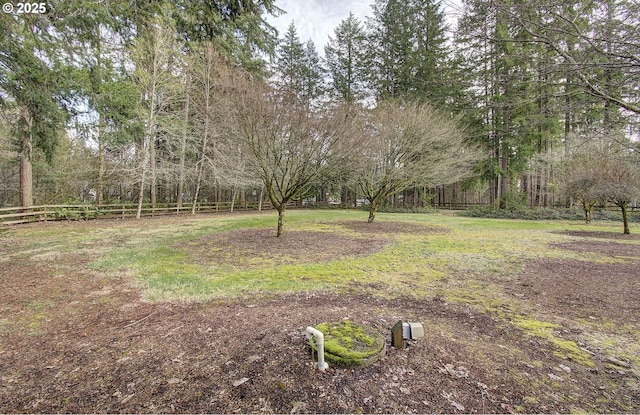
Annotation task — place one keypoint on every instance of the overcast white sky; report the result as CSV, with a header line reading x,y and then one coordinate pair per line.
x,y
317,19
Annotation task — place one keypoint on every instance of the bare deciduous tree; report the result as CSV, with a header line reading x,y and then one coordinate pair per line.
x,y
580,177
154,54
291,146
619,182
205,97
604,173
410,144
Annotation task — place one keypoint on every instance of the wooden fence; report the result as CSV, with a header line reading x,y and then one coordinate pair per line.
x,y
16,215
458,206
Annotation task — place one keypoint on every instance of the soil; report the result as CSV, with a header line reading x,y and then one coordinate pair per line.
x,y
252,247
72,340
586,289
390,227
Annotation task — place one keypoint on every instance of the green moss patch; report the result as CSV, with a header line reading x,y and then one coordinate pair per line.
x,y
350,344
565,349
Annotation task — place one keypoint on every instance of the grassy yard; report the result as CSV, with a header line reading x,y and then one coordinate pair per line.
x,y
162,260
568,286
459,259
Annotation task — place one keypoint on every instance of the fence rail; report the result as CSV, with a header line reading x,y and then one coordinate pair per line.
x,y
17,215
459,205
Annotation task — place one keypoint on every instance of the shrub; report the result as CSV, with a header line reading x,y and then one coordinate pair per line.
x,y
408,209
527,214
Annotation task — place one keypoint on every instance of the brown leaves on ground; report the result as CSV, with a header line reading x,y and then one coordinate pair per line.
x,y
390,227
587,289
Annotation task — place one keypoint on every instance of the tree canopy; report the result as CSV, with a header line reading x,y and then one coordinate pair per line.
x,y
145,97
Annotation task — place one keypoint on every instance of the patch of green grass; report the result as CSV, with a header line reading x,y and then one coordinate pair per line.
x,y
415,264
37,306
564,349
170,273
488,246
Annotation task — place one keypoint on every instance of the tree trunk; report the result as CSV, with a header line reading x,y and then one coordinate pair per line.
x,y
547,180
200,166
625,219
372,212
234,193
152,173
148,141
196,195
504,180
145,158
281,210
587,213
183,141
493,191
100,190
26,174
26,170
200,171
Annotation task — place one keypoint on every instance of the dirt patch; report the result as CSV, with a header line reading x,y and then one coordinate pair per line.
x,y
122,355
387,227
582,289
585,289
601,234
612,249
251,247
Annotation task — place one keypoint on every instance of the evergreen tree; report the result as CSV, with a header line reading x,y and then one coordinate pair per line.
x,y
509,91
408,49
290,62
32,89
346,60
313,86
111,95
237,27
298,69
602,54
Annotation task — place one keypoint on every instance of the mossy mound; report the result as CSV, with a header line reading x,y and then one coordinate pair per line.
x,y
350,344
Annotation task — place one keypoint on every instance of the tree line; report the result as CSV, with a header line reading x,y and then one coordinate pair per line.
x,y
186,100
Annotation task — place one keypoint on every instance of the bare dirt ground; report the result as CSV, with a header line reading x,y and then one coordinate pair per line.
x,y
584,289
72,340
248,247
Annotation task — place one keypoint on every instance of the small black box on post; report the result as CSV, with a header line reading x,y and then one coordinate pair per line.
x,y
402,331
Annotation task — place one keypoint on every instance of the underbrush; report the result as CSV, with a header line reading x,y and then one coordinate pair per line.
x,y
546,214
399,209
381,209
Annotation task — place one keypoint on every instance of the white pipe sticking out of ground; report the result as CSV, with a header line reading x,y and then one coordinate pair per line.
x,y
322,365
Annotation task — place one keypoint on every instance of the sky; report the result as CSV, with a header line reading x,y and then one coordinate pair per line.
x,y
317,19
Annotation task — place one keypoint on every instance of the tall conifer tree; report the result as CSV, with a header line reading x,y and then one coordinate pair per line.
x,y
32,87
408,47
346,60
298,68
